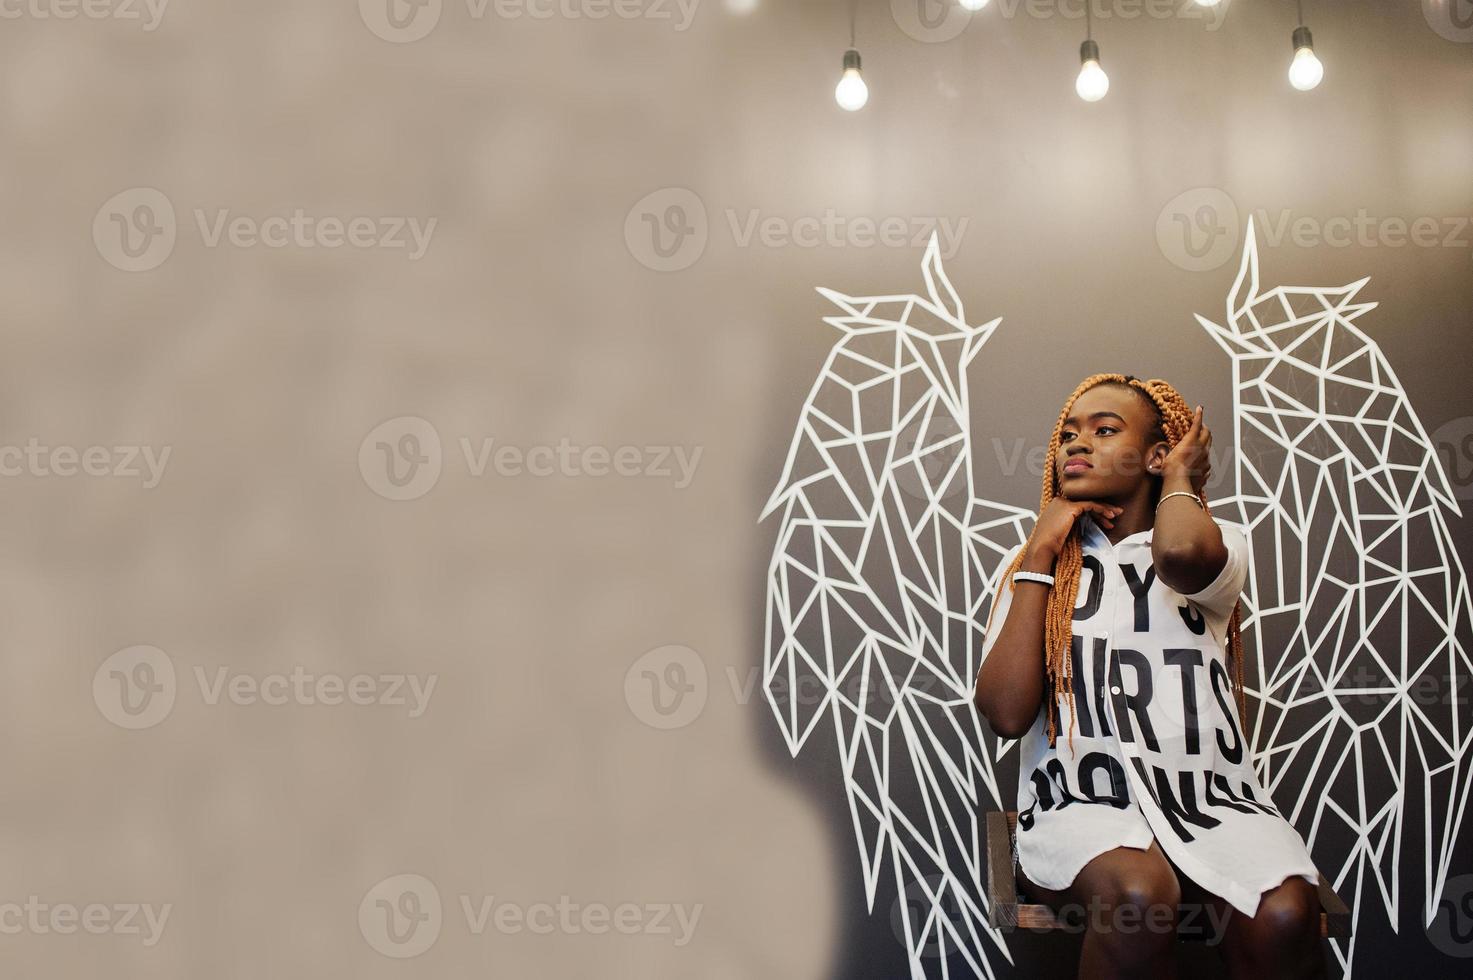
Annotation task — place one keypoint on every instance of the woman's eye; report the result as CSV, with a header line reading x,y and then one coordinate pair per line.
x,y
1064,436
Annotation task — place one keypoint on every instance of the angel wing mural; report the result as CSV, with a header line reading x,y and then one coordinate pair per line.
x,y
877,599
1357,594
885,566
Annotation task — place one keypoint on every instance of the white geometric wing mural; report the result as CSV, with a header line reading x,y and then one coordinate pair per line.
x,y
877,598
883,573
1358,604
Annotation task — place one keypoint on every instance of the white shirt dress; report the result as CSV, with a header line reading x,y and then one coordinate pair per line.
x,y
1158,752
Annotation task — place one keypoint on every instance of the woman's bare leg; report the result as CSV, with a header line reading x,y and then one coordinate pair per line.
x,y
1128,898
1281,941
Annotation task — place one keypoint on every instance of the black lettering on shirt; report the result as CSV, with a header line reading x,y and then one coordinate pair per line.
x,y
1140,589
1193,619
1025,817
1229,713
1228,798
1179,810
1188,659
1091,604
1087,688
1043,797
1097,680
1080,683
1266,807
1094,762
1139,703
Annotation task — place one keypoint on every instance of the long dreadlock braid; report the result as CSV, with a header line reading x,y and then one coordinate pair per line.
x,y
1173,419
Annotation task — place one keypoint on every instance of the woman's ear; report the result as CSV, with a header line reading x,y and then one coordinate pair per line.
x,y
1156,459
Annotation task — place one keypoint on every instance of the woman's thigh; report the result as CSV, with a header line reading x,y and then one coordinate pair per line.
x,y
1121,874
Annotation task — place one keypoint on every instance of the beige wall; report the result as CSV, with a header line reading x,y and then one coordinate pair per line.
x,y
264,547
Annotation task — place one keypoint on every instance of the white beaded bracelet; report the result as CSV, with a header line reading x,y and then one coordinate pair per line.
x,y
1043,577
1184,493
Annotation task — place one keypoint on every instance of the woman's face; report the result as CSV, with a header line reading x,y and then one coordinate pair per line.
x,y
1105,446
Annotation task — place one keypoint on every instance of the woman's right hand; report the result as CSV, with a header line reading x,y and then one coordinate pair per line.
x,y
1057,520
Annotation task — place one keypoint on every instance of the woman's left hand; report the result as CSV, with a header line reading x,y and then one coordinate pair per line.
x,y
1191,457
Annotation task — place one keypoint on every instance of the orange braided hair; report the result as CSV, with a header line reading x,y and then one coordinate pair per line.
x,y
1173,419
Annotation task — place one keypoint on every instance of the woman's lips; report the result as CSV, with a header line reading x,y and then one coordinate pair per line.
x,y
1076,466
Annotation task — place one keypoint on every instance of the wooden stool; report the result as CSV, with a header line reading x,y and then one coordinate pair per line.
x,y
1010,910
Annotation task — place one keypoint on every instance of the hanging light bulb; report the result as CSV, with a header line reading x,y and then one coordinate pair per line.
x,y
1305,71
974,5
1092,83
851,93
